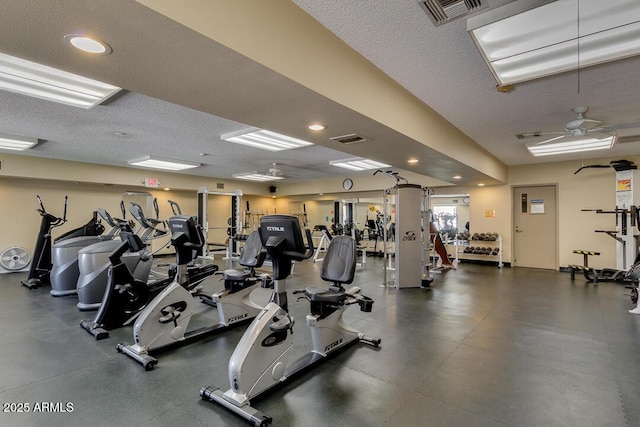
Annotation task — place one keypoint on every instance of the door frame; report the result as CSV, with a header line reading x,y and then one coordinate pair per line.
x,y
556,219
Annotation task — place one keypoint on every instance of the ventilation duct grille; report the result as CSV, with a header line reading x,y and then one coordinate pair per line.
x,y
627,139
441,11
348,139
528,135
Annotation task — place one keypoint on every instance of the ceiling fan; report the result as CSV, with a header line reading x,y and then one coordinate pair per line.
x,y
272,174
274,171
580,127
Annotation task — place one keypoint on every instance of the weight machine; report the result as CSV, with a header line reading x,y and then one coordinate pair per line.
x,y
412,245
627,216
234,222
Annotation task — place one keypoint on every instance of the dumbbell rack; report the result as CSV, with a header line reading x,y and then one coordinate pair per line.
x,y
459,246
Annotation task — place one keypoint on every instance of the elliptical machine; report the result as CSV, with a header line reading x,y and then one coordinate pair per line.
x,y
40,269
164,322
259,363
93,261
125,296
64,257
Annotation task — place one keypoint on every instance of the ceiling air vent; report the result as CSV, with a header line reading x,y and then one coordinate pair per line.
x,y
627,139
441,11
528,135
348,139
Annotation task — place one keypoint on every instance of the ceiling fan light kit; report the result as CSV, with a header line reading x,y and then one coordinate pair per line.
x,y
580,134
567,145
256,176
273,174
529,39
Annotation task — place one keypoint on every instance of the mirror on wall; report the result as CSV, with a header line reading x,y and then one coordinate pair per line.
x,y
450,215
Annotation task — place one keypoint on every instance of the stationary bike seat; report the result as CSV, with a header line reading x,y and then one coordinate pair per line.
x,y
232,274
318,294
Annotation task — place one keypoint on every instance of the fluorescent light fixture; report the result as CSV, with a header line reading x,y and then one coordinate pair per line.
x,y
39,81
358,164
570,145
528,39
154,162
264,139
88,44
255,176
442,196
14,142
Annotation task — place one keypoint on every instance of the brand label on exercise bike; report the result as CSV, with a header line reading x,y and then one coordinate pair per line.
x,y
409,236
274,228
333,345
236,318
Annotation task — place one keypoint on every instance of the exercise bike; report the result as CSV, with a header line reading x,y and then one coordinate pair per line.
x,y
259,363
40,269
164,322
125,296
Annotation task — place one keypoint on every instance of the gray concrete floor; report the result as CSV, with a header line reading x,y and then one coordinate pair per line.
x,y
486,347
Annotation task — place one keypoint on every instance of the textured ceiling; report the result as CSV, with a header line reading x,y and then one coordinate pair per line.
x,y
155,56
442,67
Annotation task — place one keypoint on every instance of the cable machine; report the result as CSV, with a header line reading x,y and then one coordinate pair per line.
x,y
412,245
234,223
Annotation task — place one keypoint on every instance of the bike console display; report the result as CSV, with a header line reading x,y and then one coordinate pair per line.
x,y
282,238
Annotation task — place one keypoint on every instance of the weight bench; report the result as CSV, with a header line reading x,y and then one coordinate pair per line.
x,y
591,274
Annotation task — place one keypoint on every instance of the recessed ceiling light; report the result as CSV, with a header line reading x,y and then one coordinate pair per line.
x,y
88,44
167,189
481,185
316,126
412,161
457,177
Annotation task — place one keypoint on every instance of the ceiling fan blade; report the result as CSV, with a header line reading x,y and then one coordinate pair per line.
x,y
592,166
552,139
581,123
536,134
610,128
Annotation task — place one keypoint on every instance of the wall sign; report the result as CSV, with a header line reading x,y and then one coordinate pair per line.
x,y
537,206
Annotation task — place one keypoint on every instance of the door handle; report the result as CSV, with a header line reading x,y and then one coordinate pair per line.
x,y
518,231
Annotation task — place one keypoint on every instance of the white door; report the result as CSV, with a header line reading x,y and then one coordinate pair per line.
x,y
535,232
